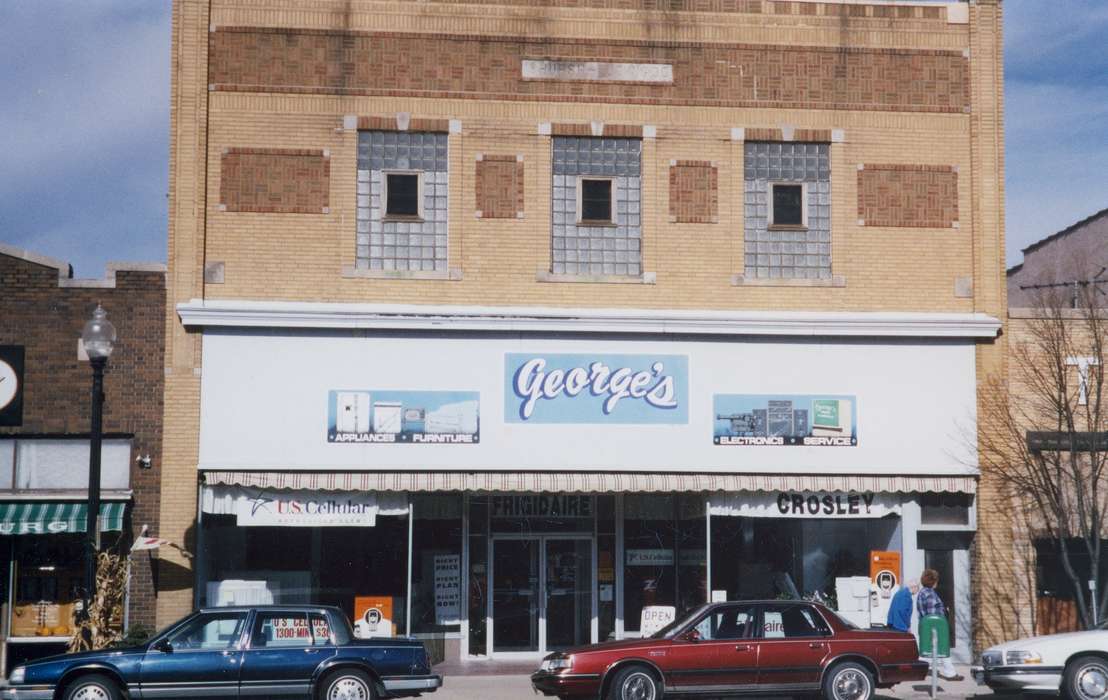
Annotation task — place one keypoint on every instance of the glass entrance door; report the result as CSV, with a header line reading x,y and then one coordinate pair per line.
x,y
515,594
568,584
542,593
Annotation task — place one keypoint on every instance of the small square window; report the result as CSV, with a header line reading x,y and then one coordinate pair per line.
x,y
788,204
595,199
403,195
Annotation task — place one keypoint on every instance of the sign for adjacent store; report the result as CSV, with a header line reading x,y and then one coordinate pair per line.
x,y
600,389
11,385
306,509
797,420
404,417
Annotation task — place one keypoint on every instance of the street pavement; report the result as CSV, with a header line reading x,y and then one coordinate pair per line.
x,y
518,687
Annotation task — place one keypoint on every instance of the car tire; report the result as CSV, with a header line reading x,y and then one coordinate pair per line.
x,y
635,683
848,681
347,684
1086,678
92,687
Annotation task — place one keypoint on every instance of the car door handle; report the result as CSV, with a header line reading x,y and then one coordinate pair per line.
x,y
742,647
815,645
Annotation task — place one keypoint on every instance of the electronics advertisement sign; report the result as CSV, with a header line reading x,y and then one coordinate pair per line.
x,y
404,417
799,420
596,389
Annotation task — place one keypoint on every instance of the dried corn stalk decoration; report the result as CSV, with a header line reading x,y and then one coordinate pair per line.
x,y
102,626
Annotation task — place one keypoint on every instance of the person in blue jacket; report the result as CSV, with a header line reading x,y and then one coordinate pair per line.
x,y
900,607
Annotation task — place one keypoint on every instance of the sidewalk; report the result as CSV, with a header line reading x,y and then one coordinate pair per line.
x,y
517,686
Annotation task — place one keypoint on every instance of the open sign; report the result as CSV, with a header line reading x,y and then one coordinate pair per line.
x,y
655,617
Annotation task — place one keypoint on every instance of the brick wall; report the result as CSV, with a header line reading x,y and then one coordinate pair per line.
x,y
251,59
498,186
693,192
914,196
275,180
47,320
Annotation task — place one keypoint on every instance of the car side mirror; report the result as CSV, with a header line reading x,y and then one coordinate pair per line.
x,y
163,646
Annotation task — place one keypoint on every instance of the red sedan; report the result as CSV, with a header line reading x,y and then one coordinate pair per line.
x,y
761,647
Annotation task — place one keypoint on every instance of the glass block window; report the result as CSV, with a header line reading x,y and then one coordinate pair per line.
x,y
608,173
402,202
787,210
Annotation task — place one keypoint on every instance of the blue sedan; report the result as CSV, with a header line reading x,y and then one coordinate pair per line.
x,y
268,651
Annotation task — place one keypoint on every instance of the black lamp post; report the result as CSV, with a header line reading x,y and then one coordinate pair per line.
x,y
97,338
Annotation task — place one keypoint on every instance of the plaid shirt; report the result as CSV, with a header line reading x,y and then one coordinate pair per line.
x,y
928,602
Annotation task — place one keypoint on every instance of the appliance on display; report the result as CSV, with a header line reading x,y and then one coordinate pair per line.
x,y
853,593
353,411
387,417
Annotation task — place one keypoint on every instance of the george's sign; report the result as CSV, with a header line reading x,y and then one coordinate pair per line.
x,y
576,388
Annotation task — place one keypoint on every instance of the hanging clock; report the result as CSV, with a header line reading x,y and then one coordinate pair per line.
x,y
11,385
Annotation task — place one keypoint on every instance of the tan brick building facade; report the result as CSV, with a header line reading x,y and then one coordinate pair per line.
x,y
894,107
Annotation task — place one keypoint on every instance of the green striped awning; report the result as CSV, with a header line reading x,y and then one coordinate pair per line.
x,y
49,518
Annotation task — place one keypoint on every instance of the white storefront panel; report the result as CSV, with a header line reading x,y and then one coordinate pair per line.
x,y
345,400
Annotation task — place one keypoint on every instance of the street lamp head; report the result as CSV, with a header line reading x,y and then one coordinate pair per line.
x,y
98,335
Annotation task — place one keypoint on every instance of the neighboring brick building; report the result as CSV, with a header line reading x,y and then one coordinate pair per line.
x,y
768,232
1050,294
44,437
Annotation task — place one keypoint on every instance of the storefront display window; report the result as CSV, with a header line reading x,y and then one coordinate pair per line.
x,y
477,603
776,557
606,566
332,566
437,563
649,537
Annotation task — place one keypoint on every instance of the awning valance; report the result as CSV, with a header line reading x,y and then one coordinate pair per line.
x,y
588,482
50,518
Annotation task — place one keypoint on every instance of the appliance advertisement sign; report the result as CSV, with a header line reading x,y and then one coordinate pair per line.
x,y
405,417
799,420
598,389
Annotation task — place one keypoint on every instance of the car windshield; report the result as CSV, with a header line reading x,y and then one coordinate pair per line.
x,y
679,623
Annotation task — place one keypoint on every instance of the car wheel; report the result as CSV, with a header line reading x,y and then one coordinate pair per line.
x,y
92,687
635,683
347,685
1086,678
848,681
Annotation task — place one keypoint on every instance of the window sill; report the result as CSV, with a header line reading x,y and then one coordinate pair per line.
x,y
740,280
644,278
597,223
401,219
786,227
454,274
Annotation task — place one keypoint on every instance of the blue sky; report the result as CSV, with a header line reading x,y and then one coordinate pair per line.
x,y
84,124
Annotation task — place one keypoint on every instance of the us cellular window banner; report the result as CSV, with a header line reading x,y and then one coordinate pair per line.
x,y
409,417
803,420
587,388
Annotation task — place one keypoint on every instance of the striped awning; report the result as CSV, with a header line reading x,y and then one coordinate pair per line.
x,y
587,482
51,518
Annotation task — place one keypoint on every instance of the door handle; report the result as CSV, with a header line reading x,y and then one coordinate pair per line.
x,y
815,645
742,647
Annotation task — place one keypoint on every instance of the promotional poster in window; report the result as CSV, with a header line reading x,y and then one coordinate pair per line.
x,y
404,417
797,420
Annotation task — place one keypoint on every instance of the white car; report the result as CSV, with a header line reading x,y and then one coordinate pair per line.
x,y
1073,664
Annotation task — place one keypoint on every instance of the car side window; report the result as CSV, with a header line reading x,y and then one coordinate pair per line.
x,y
321,631
281,629
726,623
209,631
788,621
